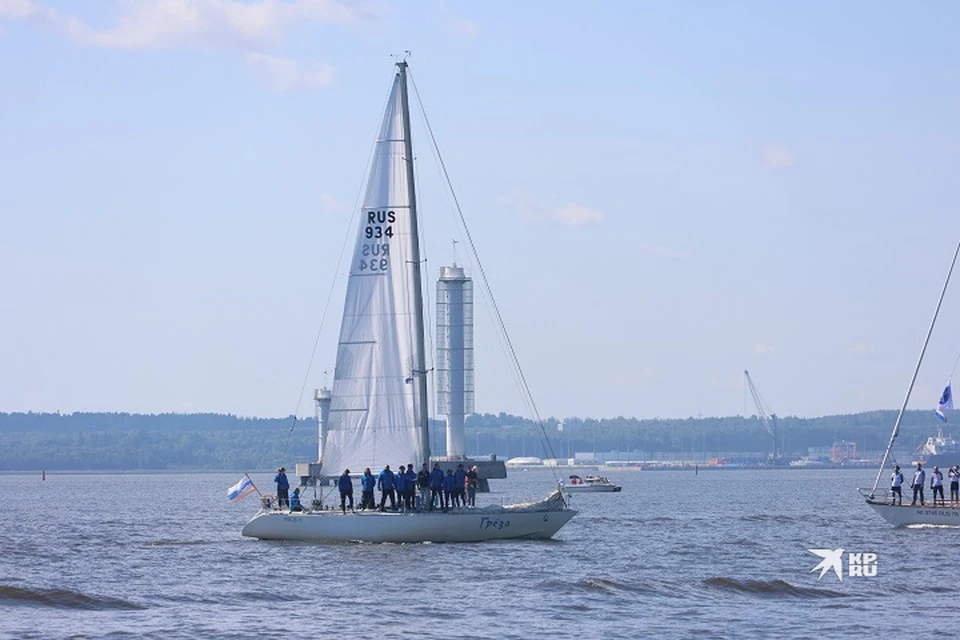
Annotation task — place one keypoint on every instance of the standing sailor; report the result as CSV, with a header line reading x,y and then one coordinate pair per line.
x,y
954,485
936,483
896,483
283,488
345,484
918,477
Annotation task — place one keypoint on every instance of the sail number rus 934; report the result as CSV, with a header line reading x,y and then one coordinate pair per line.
x,y
376,255
380,224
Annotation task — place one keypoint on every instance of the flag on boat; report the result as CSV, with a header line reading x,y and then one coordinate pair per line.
x,y
241,490
946,402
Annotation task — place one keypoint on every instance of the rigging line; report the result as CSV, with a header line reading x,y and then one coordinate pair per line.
x,y
483,274
333,282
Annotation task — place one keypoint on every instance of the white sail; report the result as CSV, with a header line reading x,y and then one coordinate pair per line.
x,y
373,420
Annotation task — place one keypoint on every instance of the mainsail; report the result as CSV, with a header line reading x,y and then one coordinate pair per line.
x,y
374,418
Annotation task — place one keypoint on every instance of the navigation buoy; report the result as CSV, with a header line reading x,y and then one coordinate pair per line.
x,y
43,474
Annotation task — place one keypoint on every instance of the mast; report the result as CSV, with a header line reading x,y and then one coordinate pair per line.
x,y
923,350
420,369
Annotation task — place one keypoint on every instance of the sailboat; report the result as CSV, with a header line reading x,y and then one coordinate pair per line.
x,y
881,500
379,410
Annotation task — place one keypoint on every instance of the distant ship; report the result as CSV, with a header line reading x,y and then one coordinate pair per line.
x,y
939,451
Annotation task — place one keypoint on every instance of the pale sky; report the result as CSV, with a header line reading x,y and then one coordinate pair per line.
x,y
663,195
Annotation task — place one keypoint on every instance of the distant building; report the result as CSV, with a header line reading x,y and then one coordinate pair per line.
x,y
843,451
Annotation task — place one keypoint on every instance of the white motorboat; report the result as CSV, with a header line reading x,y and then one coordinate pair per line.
x,y
591,483
378,406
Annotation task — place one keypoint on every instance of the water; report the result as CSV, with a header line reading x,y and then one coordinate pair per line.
x,y
719,554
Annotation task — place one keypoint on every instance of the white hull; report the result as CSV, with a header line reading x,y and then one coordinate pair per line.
x,y
903,516
465,525
592,488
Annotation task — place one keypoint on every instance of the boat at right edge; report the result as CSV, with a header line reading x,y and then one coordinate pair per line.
x,y
881,500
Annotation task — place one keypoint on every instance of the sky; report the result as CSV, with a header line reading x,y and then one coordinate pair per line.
x,y
662,194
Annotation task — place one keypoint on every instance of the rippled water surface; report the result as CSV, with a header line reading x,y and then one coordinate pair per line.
x,y
714,554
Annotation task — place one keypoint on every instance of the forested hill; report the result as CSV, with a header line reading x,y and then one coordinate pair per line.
x,y
122,441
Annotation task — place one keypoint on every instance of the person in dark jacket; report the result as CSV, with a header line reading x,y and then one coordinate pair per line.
x,y
449,485
386,482
423,484
409,497
368,483
436,486
345,484
400,482
283,488
473,480
460,485
295,501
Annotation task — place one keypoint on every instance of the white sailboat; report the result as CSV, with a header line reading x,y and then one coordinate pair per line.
x,y
378,413
880,500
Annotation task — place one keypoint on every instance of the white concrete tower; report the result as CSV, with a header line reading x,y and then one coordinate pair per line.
x,y
455,354
322,398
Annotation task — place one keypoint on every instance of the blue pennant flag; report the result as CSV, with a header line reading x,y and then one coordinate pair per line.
x,y
946,402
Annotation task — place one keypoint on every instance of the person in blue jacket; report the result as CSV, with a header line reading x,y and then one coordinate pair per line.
x,y
345,484
295,501
400,482
436,486
368,483
283,488
449,486
386,482
409,498
459,489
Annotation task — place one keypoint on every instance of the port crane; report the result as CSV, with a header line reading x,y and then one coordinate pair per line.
x,y
769,421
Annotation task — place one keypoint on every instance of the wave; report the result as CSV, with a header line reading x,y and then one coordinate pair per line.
x,y
770,588
607,586
62,599
743,542
178,543
763,517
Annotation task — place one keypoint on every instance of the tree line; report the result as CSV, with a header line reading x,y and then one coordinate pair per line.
x,y
215,442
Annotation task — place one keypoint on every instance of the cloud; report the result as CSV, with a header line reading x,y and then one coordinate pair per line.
x,y
571,215
859,349
19,9
635,379
329,204
776,158
157,24
762,349
243,25
283,74
659,250
462,27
